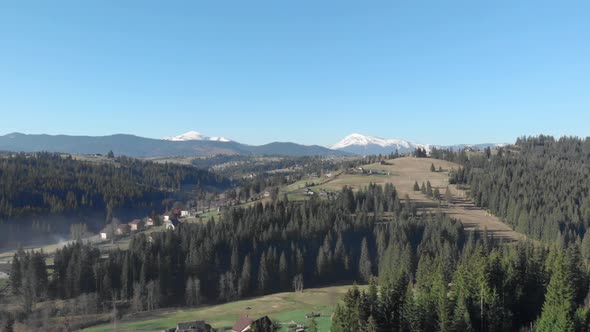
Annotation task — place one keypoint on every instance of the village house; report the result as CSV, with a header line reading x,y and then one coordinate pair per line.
x,y
243,324
166,217
149,222
184,214
136,225
175,214
123,229
104,235
194,326
246,323
171,224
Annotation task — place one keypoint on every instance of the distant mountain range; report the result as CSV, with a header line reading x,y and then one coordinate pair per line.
x,y
196,144
135,146
364,145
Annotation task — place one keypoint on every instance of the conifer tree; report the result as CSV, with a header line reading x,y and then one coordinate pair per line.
x,y
365,264
558,309
245,277
263,276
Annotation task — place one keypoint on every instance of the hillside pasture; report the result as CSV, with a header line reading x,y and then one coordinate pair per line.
x,y
282,307
403,173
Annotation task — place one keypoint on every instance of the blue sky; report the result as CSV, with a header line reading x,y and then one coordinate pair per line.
x,y
311,72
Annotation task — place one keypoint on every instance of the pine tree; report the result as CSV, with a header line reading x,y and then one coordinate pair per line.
x,y
461,319
263,276
432,169
321,263
558,310
189,292
245,278
235,260
197,290
372,325
137,299
283,272
416,186
436,194
586,247
16,272
365,264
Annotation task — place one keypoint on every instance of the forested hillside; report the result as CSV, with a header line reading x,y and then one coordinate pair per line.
x,y
43,183
540,185
520,287
258,250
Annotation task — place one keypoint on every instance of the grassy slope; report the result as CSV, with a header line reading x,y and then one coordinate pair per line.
x,y
283,307
402,173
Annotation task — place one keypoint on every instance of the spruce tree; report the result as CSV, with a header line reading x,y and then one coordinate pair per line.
x,y
558,310
263,276
245,278
365,264
436,194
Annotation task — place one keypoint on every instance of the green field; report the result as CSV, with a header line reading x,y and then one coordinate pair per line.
x,y
283,307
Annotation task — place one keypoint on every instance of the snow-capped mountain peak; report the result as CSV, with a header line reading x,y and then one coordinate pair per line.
x,y
364,144
195,136
365,140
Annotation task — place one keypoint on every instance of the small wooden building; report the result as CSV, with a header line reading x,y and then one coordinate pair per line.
x,y
136,225
123,229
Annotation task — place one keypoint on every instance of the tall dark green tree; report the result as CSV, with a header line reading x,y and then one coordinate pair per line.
x,y
559,306
365,263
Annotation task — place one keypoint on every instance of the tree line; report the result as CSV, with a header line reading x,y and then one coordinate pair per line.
x,y
540,185
42,183
481,287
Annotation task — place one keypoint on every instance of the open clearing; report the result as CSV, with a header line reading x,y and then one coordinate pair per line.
x,y
403,172
282,307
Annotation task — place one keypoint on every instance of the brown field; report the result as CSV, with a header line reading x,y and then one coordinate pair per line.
x,y
403,172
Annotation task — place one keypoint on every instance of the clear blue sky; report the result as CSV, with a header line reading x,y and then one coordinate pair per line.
x,y
305,71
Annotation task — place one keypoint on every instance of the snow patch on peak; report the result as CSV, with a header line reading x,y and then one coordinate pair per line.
x,y
365,140
220,139
195,136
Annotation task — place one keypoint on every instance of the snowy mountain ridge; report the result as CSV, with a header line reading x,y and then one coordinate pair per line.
x,y
196,136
